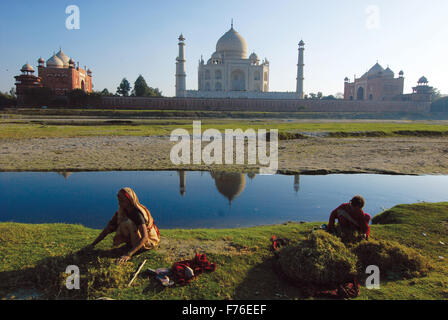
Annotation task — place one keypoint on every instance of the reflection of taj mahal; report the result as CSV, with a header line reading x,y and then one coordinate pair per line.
x,y
230,74
229,184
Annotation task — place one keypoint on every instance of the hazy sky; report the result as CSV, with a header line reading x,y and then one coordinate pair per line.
x,y
120,39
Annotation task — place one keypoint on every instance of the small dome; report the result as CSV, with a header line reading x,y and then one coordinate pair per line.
x,y
216,55
401,73
55,62
301,43
27,67
423,80
389,72
346,79
71,61
89,72
41,60
232,45
254,57
65,59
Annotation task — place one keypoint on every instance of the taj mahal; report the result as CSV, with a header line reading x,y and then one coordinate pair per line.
x,y
229,73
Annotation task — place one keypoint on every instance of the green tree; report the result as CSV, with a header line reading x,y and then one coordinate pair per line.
x,y
105,92
12,93
124,88
154,92
7,100
141,88
435,94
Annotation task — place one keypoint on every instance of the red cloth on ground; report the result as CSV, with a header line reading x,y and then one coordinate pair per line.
x,y
198,264
357,214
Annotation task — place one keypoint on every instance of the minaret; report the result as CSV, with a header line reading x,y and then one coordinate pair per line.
x,y
299,89
181,86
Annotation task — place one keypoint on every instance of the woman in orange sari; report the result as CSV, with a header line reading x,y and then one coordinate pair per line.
x,y
132,224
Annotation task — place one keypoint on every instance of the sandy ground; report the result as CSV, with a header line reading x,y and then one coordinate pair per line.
x,y
404,155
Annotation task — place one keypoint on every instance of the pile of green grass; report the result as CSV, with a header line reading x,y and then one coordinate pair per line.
x,y
322,259
392,258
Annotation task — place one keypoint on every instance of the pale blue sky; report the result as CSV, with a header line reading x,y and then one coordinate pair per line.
x,y
125,38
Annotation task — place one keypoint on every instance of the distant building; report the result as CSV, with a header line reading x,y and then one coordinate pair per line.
x,y
26,80
229,73
421,93
377,84
59,74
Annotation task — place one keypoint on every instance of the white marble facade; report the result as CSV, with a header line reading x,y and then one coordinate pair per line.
x,y
229,69
229,73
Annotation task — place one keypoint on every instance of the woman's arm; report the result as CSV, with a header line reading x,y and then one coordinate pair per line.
x,y
144,231
102,235
333,217
111,226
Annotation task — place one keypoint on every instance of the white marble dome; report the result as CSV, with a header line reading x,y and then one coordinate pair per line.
x,y
232,45
55,62
216,55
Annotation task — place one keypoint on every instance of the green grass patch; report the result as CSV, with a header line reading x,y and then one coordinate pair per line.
x,y
163,127
33,258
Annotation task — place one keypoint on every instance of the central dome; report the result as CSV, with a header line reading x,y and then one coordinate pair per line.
x,y
232,45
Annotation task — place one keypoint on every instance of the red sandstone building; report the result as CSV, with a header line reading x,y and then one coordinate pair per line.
x,y
377,84
380,84
59,74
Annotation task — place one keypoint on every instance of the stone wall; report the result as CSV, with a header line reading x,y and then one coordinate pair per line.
x,y
263,105
241,95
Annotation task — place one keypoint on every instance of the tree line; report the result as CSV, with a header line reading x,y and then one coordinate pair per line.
x,y
8,99
141,89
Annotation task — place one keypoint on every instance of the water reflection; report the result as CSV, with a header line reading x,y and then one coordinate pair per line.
x,y
213,200
296,182
65,174
229,184
182,178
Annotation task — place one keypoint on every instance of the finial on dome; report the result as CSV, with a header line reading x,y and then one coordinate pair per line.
x,y
231,24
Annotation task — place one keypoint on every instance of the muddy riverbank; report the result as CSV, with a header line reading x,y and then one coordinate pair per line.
x,y
391,155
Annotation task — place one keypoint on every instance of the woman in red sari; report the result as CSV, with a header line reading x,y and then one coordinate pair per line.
x,y
132,224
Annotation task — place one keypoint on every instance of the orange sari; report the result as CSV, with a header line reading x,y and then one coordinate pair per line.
x,y
127,231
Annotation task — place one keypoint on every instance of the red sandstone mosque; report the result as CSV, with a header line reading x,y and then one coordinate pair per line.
x,y
379,84
59,73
